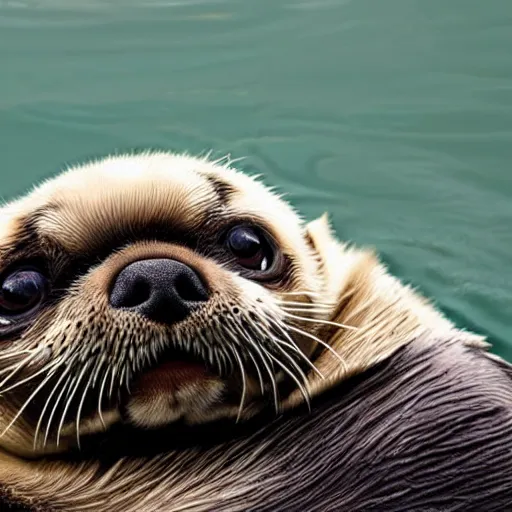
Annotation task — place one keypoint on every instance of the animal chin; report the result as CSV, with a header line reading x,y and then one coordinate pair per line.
x,y
176,387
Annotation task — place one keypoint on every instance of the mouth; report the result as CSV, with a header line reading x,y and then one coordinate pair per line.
x,y
172,371
177,386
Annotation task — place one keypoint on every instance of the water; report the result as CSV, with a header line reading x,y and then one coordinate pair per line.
x,y
395,116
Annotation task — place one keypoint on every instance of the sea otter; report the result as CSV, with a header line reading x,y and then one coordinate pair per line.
x,y
175,337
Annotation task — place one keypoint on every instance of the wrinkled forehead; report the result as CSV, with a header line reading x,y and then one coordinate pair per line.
x,y
88,204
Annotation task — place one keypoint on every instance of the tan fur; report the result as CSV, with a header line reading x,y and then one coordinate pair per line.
x,y
133,485
77,212
381,312
110,201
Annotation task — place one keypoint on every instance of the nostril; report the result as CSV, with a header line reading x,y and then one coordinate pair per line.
x,y
140,293
131,294
189,288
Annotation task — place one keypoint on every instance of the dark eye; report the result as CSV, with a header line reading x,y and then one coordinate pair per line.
x,y
21,292
250,248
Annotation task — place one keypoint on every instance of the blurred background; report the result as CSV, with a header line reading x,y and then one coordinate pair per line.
x,y
393,115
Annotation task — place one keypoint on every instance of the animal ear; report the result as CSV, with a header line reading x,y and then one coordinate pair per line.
x,y
319,235
331,253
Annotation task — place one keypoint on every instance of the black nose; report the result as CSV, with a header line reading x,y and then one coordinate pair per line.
x,y
162,290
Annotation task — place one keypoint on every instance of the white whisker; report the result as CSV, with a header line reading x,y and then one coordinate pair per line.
x,y
41,415
267,364
295,366
113,376
79,411
100,398
97,369
304,304
305,358
59,397
17,367
272,378
305,310
280,343
304,293
244,384
120,381
69,399
260,378
269,335
273,382
323,343
15,353
45,368
324,322
303,390
27,402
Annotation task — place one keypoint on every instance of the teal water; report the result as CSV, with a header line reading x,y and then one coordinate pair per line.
x,y
395,116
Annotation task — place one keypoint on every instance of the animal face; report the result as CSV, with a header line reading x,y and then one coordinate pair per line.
x,y
152,289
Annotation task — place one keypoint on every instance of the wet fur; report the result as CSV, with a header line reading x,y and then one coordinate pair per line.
x,y
418,417
428,429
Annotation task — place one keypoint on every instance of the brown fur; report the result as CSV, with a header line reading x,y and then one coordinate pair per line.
x,y
105,215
